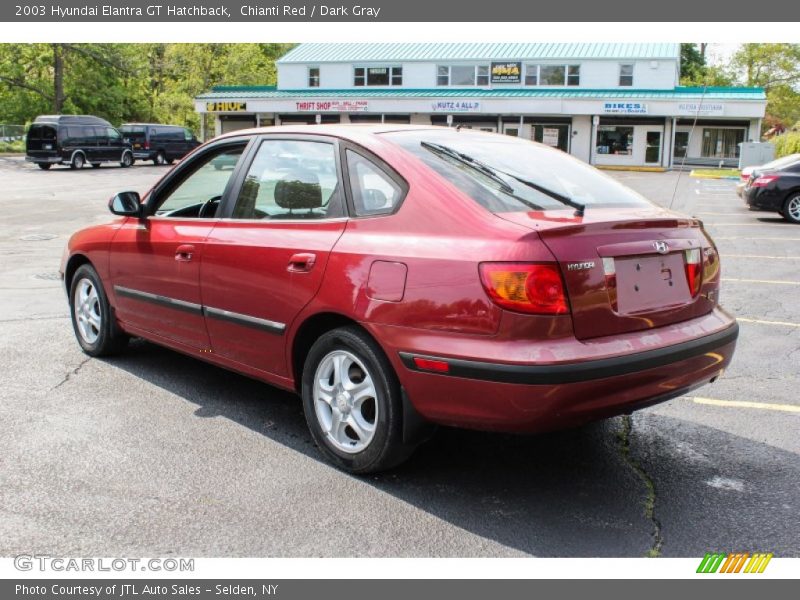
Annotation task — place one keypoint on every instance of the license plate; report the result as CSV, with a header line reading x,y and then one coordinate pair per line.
x,y
646,283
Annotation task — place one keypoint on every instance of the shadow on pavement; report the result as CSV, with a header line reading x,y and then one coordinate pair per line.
x,y
571,493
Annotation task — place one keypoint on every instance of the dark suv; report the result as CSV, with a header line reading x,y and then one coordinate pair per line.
x,y
162,144
75,140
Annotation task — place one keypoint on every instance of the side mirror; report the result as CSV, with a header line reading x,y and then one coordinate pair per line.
x,y
126,204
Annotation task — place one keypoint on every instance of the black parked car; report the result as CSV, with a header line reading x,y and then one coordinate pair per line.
x,y
75,140
162,144
776,190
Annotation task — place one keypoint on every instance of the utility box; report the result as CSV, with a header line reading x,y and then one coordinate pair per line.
x,y
753,154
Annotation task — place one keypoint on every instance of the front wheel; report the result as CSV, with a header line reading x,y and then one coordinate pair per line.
x,y
92,318
127,160
44,166
791,209
352,402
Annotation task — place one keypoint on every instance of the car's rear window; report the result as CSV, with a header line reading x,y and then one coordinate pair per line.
x,y
512,159
42,132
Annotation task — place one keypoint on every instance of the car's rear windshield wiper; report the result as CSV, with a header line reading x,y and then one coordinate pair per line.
x,y
473,163
494,175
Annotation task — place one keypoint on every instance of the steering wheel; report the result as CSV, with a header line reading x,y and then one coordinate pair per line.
x,y
209,208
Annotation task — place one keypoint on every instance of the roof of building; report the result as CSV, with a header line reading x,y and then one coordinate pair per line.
x,y
711,93
403,52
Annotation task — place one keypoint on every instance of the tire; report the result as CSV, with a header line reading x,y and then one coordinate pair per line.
x,y
95,165
93,319
44,166
78,161
791,208
160,159
375,411
126,160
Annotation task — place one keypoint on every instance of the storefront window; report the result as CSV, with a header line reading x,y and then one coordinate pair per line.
x,y
722,143
551,75
626,75
612,139
313,77
483,75
681,143
377,76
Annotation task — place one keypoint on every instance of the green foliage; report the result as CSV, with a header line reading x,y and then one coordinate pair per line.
x,y
125,82
788,143
695,71
17,147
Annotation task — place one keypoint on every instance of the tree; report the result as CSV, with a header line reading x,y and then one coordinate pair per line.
x,y
695,72
776,68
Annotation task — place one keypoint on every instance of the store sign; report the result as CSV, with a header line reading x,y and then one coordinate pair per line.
x,y
550,136
506,72
332,106
625,108
701,109
456,106
226,106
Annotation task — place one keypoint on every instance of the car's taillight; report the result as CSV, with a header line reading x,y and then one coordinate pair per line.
x,y
693,270
146,145
764,180
525,287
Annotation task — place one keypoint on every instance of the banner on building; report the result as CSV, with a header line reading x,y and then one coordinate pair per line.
x,y
345,106
506,72
625,108
456,106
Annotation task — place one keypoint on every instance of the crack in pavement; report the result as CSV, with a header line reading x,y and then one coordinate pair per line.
x,y
69,374
624,437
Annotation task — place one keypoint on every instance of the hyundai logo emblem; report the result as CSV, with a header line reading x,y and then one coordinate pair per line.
x,y
661,247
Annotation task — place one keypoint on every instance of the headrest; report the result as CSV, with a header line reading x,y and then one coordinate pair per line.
x,y
298,189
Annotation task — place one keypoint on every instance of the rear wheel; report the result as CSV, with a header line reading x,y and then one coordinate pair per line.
x,y
78,161
127,160
92,318
160,158
352,402
791,208
95,165
44,166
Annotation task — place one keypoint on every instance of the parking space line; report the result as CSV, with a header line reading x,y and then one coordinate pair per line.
x,y
762,322
760,256
758,239
791,408
771,281
777,223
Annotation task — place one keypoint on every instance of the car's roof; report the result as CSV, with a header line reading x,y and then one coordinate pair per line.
x,y
70,119
346,131
154,124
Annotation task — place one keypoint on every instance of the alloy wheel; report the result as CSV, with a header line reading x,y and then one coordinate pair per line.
x,y
345,401
88,315
793,208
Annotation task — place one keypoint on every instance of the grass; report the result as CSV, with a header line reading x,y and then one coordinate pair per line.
x,y
716,173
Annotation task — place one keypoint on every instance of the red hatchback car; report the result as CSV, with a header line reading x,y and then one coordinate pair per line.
x,y
399,277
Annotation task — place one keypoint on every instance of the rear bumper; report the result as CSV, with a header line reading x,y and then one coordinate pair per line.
x,y
533,396
143,155
44,159
574,372
763,199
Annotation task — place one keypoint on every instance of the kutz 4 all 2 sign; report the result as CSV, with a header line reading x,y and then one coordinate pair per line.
x,y
506,72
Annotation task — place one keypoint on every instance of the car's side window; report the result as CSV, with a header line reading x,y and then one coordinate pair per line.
x,y
374,192
199,191
291,179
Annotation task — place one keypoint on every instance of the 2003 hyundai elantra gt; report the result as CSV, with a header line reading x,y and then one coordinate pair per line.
x,y
399,277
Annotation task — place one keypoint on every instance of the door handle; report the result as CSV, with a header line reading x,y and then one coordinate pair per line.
x,y
184,253
302,262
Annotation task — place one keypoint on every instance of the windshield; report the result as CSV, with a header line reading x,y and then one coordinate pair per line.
x,y
520,163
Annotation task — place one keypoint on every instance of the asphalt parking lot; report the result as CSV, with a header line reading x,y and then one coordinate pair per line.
x,y
156,454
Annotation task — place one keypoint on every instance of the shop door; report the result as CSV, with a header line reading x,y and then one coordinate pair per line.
x,y
652,149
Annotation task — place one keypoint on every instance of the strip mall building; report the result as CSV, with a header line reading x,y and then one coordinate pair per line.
x,y
608,104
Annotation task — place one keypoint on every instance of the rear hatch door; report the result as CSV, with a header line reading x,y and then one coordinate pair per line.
x,y
626,271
